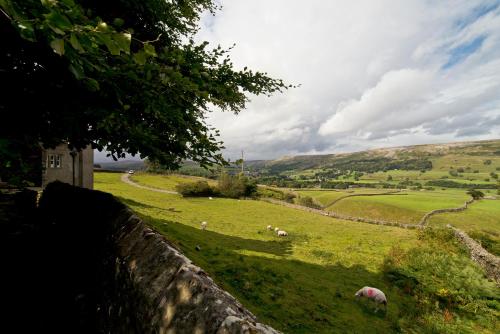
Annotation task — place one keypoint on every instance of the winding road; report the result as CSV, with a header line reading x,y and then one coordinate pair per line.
x,y
126,178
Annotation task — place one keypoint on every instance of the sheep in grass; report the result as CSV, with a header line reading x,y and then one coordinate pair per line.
x,y
203,225
282,233
276,229
373,294
269,228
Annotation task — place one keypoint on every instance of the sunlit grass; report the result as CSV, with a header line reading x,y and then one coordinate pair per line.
x,y
409,208
300,284
167,182
482,216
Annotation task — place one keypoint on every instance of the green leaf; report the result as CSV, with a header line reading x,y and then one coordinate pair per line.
x,y
58,22
150,50
26,30
92,84
140,57
113,48
118,22
58,46
75,43
123,41
77,71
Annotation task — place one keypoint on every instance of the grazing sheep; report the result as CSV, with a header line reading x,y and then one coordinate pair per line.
x,y
373,294
276,229
282,233
203,225
210,197
269,228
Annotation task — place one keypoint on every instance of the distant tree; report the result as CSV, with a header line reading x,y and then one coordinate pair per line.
x,y
309,202
125,75
476,194
235,186
389,177
195,189
494,175
460,169
487,162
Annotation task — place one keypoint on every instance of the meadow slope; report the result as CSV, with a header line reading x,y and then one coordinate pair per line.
x,y
300,284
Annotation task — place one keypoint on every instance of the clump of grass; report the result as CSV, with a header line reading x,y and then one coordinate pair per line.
x,y
449,291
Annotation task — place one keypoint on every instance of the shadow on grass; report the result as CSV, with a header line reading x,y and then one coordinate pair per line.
x,y
132,203
187,238
290,295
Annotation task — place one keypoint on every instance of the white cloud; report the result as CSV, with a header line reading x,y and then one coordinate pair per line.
x,y
371,73
379,108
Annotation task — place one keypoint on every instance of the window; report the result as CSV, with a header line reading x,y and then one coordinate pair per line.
x,y
55,161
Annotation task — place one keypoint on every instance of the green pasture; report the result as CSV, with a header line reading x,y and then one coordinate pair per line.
x,y
165,181
325,197
407,207
481,220
304,283
461,160
417,176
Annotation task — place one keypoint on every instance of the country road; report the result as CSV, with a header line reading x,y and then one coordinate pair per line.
x,y
126,178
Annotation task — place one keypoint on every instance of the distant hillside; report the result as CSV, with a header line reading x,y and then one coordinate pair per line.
x,y
418,157
122,165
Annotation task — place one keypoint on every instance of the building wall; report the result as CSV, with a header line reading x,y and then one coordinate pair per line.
x,y
58,165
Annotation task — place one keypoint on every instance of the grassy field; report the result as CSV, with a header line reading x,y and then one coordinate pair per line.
x,y
167,182
481,220
400,175
464,161
409,208
325,197
301,284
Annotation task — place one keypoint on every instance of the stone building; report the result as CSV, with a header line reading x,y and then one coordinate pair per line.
x,y
72,167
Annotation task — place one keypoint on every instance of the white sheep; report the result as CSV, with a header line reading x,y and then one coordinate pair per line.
x,y
203,225
276,229
282,233
269,228
373,294
210,197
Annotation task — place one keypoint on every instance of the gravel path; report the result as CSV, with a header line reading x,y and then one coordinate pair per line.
x,y
126,179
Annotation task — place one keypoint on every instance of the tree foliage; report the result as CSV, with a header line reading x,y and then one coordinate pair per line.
x,y
125,75
476,194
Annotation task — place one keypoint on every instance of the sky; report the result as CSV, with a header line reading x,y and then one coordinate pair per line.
x,y
371,73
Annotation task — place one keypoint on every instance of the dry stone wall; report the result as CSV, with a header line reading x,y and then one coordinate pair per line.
x,y
340,216
397,192
488,261
428,215
145,284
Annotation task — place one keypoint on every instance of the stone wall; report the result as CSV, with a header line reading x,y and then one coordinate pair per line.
x,y
488,261
340,216
428,215
394,192
139,282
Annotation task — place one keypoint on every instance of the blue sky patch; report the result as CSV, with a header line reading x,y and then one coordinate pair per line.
x,y
461,52
476,13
